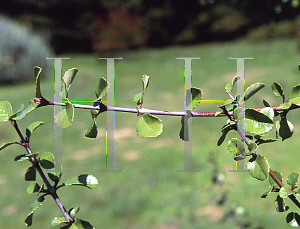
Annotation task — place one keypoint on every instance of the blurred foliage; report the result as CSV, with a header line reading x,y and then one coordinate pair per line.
x,y
150,194
273,30
120,30
270,31
20,51
139,23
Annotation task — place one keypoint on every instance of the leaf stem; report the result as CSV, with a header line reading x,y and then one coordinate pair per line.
x,y
230,94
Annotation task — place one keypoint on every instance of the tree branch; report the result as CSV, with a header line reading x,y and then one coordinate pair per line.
x,y
51,190
194,114
170,113
271,173
292,196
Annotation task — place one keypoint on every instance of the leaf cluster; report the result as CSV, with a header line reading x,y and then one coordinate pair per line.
x,y
252,125
40,161
257,124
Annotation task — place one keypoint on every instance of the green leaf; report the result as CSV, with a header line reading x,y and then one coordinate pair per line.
x,y
258,167
94,113
5,144
145,79
181,133
17,112
293,219
293,178
285,105
272,181
266,103
47,160
259,122
225,130
252,147
5,111
81,224
280,204
269,140
277,89
58,220
236,147
138,98
83,180
33,187
258,136
149,126
295,93
266,115
30,174
65,118
33,155
196,97
73,212
218,113
101,88
250,91
21,157
267,193
92,131
32,127
35,205
28,220
24,157
285,192
230,85
69,77
37,71
286,129
294,100
19,109
23,113
54,176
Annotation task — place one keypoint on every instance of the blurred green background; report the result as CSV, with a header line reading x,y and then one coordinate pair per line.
x,y
149,194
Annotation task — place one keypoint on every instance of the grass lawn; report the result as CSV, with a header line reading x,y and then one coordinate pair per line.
x,y
150,194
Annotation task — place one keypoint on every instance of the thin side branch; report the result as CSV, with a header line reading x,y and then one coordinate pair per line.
x,y
50,189
292,196
271,173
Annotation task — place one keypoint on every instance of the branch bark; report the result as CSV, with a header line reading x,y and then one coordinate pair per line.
x,y
159,112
